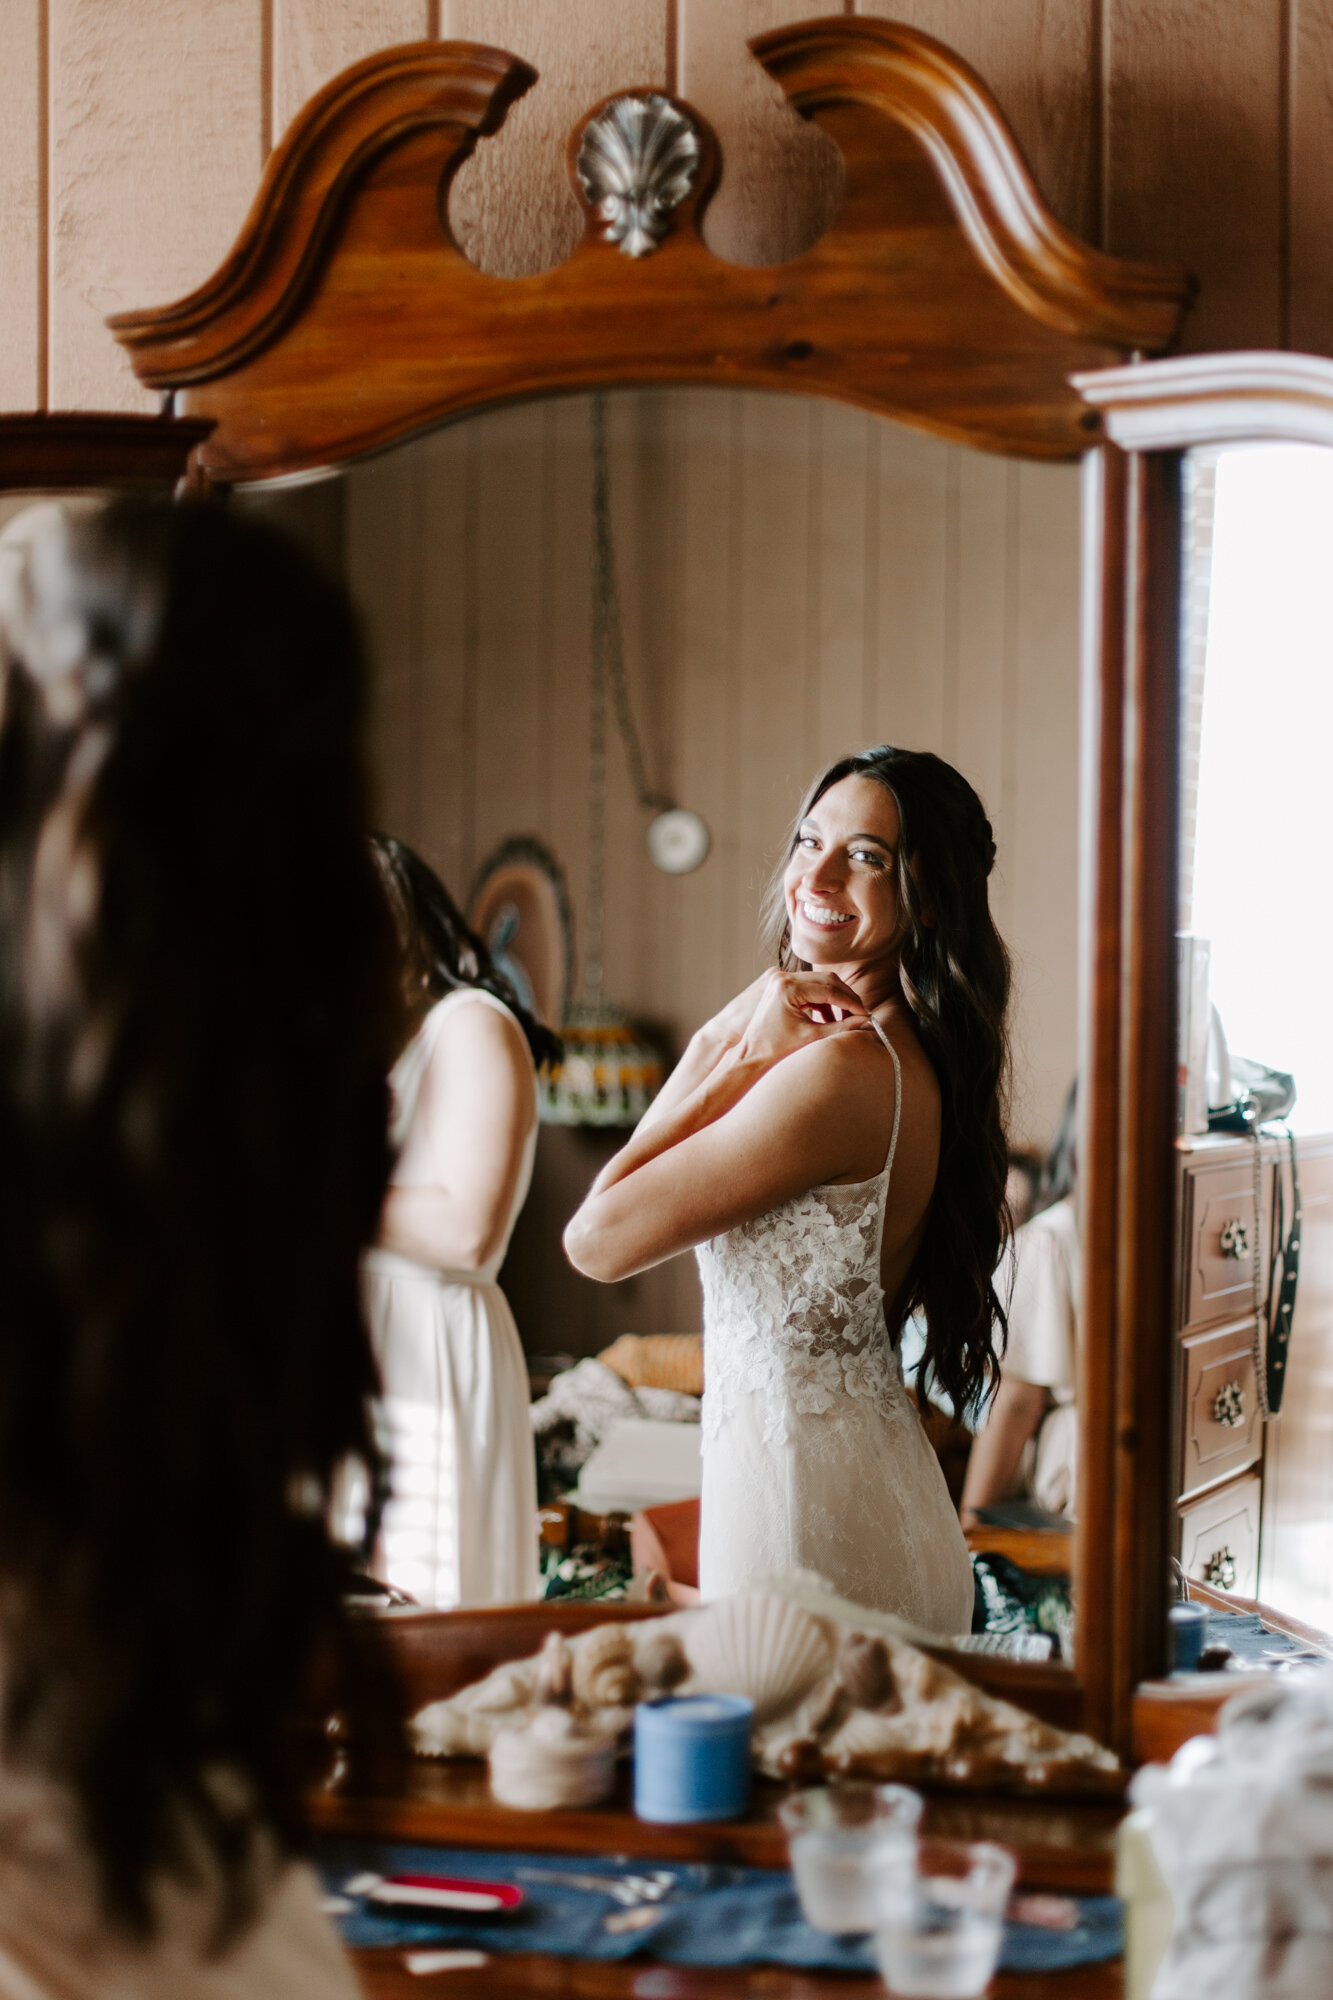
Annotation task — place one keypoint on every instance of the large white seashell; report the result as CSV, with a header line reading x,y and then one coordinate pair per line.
x,y
757,1645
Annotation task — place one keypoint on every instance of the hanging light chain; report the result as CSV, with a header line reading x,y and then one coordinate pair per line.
x,y
608,639
594,922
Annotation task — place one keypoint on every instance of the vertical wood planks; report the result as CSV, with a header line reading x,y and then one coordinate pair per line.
x,y
712,929
444,753
1196,118
508,593
777,758
155,122
314,39
1309,169
1039,853
511,206
780,176
912,576
840,450
23,138
382,527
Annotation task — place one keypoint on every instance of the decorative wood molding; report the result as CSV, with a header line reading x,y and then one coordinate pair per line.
x,y
902,76
454,90
1197,399
65,450
942,293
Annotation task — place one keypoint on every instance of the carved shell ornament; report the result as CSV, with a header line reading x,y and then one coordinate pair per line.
x,y
638,160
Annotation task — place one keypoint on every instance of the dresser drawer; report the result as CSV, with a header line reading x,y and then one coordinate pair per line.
x,y
1219,1538
1219,1224
1220,1429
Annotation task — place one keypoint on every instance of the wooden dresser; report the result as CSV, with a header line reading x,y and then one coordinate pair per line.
x,y
1218,1437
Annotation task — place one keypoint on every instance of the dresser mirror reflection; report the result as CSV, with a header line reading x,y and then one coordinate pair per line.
x,y
797,579
887,548
1254,1473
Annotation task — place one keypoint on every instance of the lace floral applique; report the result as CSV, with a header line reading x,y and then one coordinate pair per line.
x,y
793,1308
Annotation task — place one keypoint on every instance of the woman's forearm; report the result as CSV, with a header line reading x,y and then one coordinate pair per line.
x,y
1013,1418
721,1086
703,1052
591,1236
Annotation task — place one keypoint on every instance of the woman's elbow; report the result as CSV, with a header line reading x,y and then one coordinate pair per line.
x,y
591,1250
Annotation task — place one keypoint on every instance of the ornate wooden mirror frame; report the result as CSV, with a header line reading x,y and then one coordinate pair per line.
x,y
1152,414
942,294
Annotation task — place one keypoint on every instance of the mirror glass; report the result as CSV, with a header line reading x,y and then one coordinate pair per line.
x,y
796,580
1255,1322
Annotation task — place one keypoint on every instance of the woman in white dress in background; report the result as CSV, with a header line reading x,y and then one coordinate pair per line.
x,y
832,1144
460,1524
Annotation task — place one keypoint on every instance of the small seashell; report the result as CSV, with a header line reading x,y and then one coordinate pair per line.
x,y
757,1645
865,1671
660,1659
555,1671
604,1674
801,1758
552,1762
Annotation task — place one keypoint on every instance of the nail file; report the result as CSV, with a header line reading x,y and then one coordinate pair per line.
x,y
444,1961
445,1892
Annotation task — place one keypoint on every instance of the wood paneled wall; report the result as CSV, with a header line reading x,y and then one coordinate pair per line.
x,y
132,133
799,579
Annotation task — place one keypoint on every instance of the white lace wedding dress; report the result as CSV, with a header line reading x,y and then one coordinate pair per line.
x,y
814,1456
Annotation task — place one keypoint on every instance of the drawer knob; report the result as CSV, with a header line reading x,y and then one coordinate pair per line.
x,y
1220,1570
1229,1406
1236,1238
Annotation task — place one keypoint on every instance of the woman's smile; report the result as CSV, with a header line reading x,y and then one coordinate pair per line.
x,y
841,884
826,918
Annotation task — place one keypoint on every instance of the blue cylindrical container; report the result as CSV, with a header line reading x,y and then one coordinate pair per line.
x,y
1189,1634
692,1757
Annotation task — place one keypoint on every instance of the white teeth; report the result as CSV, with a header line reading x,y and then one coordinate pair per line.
x,y
825,919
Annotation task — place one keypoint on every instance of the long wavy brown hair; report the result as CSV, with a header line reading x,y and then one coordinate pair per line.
x,y
954,973
198,1009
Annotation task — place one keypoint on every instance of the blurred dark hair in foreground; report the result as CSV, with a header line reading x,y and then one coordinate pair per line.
x,y
198,1009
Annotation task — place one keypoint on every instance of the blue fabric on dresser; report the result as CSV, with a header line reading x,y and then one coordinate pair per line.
x,y
713,1915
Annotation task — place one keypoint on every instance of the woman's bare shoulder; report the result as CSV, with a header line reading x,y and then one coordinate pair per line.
x,y
473,1026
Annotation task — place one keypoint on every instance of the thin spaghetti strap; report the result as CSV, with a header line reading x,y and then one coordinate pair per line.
x,y
887,1168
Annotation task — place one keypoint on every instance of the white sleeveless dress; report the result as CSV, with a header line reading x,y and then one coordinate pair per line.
x,y
461,1524
813,1453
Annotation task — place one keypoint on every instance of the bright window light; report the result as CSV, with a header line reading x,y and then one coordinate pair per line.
x,y
1264,834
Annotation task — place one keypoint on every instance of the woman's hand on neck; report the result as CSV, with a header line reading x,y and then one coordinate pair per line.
x,y
873,983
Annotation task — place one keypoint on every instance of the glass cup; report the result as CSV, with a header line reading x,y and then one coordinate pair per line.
x,y
848,1844
941,1941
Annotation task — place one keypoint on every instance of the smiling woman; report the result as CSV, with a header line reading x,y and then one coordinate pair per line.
x,y
832,1147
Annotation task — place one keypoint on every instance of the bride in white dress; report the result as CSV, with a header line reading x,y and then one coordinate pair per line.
x,y
460,1523
832,1145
